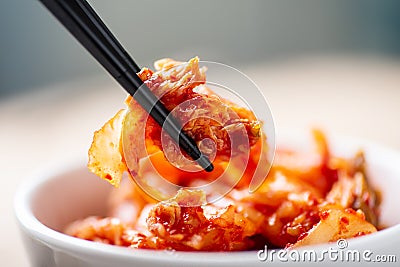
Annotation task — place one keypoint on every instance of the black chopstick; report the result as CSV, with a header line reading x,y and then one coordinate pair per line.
x,y
87,27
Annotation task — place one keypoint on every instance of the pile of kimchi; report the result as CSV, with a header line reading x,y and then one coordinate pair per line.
x,y
306,198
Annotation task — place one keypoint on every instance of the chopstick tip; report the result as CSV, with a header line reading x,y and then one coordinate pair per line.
x,y
205,163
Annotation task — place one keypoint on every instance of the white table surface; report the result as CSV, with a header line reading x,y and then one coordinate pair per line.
x,y
346,95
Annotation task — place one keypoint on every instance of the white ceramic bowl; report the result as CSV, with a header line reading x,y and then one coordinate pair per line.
x,y
52,198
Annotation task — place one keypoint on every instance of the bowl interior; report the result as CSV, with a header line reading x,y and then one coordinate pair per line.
x,y
68,196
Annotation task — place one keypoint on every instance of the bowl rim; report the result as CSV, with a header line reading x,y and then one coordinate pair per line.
x,y
31,226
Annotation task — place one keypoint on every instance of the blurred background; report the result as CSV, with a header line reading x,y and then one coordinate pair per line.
x,y
330,64
36,51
